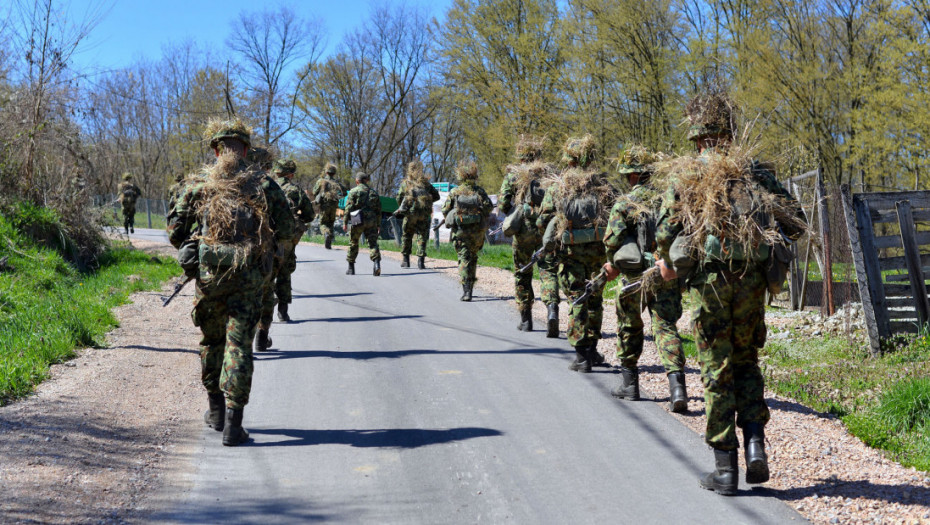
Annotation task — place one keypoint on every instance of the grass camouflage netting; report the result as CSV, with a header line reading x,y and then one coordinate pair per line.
x,y
525,173
467,171
417,186
574,183
235,127
529,147
581,148
711,112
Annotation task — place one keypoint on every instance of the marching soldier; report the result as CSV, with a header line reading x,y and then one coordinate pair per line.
x,y
129,193
467,208
326,195
416,197
303,214
363,214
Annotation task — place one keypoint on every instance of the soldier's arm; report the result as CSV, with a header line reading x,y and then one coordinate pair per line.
x,y
434,193
486,204
449,204
182,220
668,226
351,201
282,219
376,204
316,187
506,194
616,227
401,191
546,209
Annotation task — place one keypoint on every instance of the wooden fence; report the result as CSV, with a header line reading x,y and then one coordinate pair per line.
x,y
890,269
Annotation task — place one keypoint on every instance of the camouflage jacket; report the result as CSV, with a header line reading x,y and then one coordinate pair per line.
x,y
363,197
300,204
327,185
129,193
469,187
403,193
627,213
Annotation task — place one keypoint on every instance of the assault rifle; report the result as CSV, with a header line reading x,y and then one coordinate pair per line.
x,y
592,286
177,289
495,231
533,260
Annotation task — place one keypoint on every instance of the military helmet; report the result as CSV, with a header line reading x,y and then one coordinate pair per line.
x,y
329,169
710,114
580,149
467,170
415,168
260,156
361,176
127,176
529,148
218,130
635,159
285,166
178,177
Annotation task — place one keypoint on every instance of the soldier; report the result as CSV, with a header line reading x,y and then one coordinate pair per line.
x,y
326,194
129,193
522,190
175,191
467,208
630,242
729,287
363,214
262,160
303,215
239,216
574,216
416,197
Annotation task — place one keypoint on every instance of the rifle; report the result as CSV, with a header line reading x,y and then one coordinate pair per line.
x,y
533,260
495,231
177,289
593,286
439,225
628,287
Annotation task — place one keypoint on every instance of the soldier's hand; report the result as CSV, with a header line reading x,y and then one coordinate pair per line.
x,y
667,273
612,271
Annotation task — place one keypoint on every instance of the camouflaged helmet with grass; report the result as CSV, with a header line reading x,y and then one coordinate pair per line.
x,y
529,148
285,167
635,159
127,176
329,169
467,171
218,130
710,115
581,150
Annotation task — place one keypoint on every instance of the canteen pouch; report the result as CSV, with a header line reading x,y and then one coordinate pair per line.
x,y
681,257
629,256
513,223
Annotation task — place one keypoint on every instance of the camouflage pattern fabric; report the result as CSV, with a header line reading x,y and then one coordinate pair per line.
x,y
300,204
327,219
579,263
268,298
327,185
302,209
548,267
362,197
129,193
468,240
523,248
665,310
415,223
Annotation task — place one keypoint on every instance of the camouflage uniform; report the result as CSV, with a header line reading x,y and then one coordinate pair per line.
x,y
363,197
302,210
468,239
129,193
326,194
416,221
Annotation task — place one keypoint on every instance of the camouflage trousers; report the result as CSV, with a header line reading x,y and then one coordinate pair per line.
x,y
577,264
523,248
468,241
729,325
327,219
269,301
276,288
129,215
415,225
371,237
664,306
226,310
548,267
282,285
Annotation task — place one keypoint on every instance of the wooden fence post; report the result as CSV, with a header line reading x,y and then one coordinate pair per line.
x,y
866,287
827,248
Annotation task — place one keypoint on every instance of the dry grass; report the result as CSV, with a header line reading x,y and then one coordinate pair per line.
x,y
526,173
529,147
575,183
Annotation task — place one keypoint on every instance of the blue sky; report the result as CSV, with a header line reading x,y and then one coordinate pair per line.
x,y
130,30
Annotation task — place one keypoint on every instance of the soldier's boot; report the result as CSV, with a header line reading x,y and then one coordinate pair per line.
x,y
677,394
406,262
234,434
282,313
328,243
127,229
351,270
629,384
214,417
757,464
131,229
376,270
466,291
421,262
582,362
597,359
526,320
725,477
552,320
262,341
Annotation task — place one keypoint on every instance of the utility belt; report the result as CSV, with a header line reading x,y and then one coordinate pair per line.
x,y
583,236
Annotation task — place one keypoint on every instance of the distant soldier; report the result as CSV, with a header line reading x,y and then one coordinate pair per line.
x,y
574,216
416,197
363,215
467,208
227,227
262,160
129,193
520,197
326,195
728,283
630,242
303,214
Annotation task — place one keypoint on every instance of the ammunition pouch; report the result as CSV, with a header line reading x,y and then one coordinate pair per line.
x,y
513,224
189,258
717,250
682,257
629,257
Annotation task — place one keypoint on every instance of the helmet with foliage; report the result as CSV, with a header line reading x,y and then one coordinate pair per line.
x,y
529,147
218,130
580,150
710,114
635,159
467,171
361,176
329,169
127,176
285,166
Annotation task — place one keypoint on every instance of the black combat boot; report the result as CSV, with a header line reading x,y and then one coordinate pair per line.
x,y
526,320
725,478
582,362
629,384
351,270
466,291
234,434
214,416
597,359
376,270
406,262
677,394
328,244
132,230
757,464
552,320
282,313
262,341
421,262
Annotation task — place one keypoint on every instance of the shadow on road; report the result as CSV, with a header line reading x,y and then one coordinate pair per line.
x,y
251,510
868,491
377,438
364,355
329,295
159,349
361,319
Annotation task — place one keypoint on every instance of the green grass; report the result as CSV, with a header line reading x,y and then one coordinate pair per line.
x,y
884,401
48,309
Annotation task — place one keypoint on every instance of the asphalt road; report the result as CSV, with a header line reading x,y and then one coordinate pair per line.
x,y
387,400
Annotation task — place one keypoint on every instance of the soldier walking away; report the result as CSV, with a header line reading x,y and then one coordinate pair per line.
x,y
326,195
467,209
416,197
726,250
363,214
302,209
573,216
631,246
129,193
262,160
520,197
228,223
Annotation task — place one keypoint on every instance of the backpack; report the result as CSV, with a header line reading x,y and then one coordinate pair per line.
x,y
422,201
468,209
581,213
238,244
745,206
